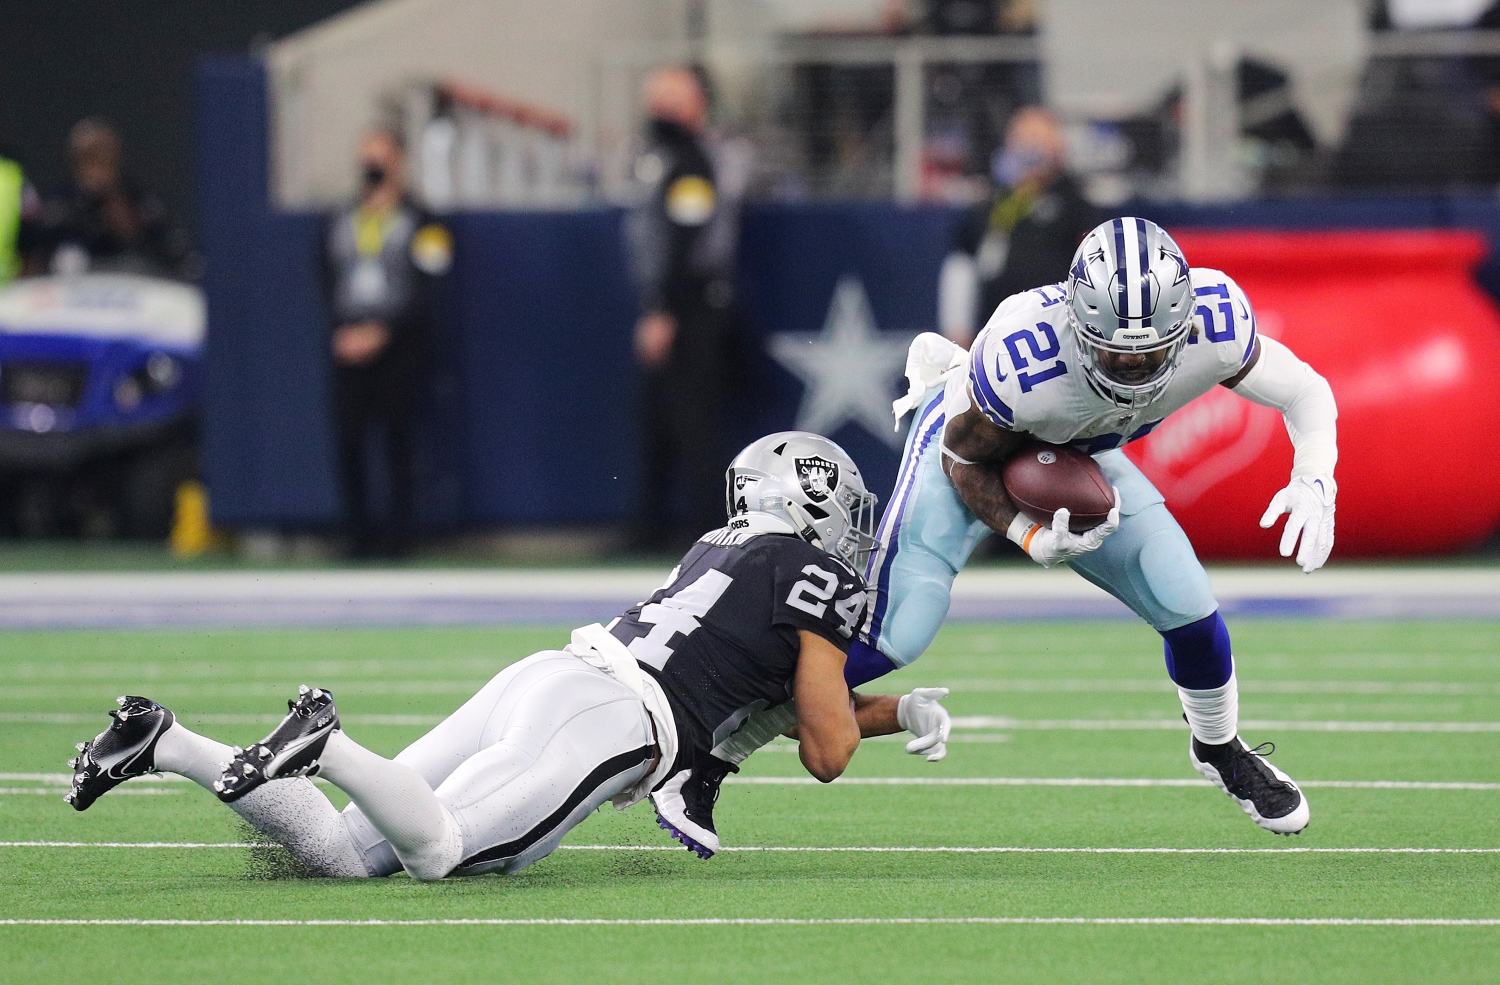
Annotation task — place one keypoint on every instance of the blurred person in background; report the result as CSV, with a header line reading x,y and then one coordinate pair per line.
x,y
681,240
1023,235
107,222
20,212
380,257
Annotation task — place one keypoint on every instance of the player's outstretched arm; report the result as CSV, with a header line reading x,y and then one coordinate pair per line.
x,y
1275,377
921,713
826,727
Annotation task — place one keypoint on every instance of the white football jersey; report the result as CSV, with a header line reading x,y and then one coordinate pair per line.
x,y
1025,375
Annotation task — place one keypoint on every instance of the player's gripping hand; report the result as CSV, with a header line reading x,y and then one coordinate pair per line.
x,y
1309,500
1055,544
921,713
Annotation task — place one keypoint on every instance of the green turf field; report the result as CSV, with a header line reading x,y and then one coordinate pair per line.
x,y
1418,704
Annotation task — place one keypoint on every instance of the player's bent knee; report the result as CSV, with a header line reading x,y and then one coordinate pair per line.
x,y
912,623
1180,590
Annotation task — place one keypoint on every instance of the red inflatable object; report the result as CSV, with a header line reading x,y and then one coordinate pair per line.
x,y
1411,346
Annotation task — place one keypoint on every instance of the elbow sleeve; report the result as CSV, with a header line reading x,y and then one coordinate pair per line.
x,y
1305,399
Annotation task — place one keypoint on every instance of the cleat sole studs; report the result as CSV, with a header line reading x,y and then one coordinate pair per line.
x,y
81,746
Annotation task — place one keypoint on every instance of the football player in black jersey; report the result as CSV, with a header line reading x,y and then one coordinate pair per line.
x,y
746,640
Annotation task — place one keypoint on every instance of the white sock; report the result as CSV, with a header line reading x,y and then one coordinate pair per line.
x,y
186,753
399,803
1214,714
293,813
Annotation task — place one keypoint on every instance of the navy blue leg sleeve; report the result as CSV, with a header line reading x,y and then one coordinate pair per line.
x,y
1198,654
865,663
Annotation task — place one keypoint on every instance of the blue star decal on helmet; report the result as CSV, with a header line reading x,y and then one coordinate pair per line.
x,y
1180,260
1080,272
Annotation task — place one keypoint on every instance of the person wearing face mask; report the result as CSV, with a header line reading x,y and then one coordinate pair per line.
x,y
380,256
1023,235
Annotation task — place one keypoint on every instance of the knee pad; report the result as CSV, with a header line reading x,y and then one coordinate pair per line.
x,y
1199,656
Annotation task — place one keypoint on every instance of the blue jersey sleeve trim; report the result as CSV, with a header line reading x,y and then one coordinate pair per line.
x,y
989,401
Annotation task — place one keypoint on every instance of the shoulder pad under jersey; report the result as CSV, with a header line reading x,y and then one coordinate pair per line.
x,y
1018,349
1225,320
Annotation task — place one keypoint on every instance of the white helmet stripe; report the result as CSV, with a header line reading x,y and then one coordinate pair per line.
x,y
1131,264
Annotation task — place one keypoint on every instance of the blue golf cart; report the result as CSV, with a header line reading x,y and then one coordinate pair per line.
x,y
100,377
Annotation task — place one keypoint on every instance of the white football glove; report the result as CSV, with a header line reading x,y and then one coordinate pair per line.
x,y
1053,545
922,714
1309,500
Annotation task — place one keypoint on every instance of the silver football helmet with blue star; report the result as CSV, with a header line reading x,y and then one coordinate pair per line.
x,y
810,483
1130,304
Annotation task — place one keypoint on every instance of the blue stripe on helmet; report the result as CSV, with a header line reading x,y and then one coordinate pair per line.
x,y
1120,306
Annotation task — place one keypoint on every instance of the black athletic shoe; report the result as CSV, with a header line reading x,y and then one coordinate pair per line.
x,y
1268,795
126,749
291,750
685,806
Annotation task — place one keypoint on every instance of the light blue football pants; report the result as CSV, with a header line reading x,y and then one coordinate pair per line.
x,y
927,535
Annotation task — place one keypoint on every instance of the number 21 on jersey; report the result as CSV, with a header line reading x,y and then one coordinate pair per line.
x,y
1013,343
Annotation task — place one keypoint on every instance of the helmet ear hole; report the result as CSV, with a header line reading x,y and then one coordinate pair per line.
x,y
815,511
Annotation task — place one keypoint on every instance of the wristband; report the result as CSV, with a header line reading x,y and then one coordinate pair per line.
x,y
1022,531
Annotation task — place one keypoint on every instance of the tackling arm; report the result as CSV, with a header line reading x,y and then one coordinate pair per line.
x,y
1277,378
827,730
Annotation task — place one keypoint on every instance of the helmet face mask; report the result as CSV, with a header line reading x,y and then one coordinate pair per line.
x,y
1130,306
812,485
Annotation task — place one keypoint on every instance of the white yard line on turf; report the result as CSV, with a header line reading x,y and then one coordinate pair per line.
x,y
65,779
853,849
1069,781
66,718
997,722
981,723
776,922
1148,685
59,791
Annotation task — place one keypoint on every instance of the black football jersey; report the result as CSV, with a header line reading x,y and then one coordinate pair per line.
x,y
721,635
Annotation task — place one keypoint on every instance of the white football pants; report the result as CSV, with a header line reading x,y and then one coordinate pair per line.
x,y
541,747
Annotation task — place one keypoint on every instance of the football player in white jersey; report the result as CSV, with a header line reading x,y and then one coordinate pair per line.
x,y
1095,362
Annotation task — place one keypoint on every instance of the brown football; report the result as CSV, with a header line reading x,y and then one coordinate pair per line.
x,y
1042,479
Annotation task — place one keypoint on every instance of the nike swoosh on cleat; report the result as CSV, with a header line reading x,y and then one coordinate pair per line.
x,y
289,750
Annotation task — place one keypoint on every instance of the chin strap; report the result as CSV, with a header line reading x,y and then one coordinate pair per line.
x,y
808,532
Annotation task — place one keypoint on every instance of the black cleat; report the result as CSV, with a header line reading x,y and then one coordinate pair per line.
x,y
1268,795
685,806
126,749
291,750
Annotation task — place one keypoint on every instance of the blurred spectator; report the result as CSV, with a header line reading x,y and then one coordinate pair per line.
x,y
681,240
1022,236
381,256
107,222
1486,71
20,212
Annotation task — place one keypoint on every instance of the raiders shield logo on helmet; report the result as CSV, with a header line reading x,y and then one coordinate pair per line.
x,y
819,476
